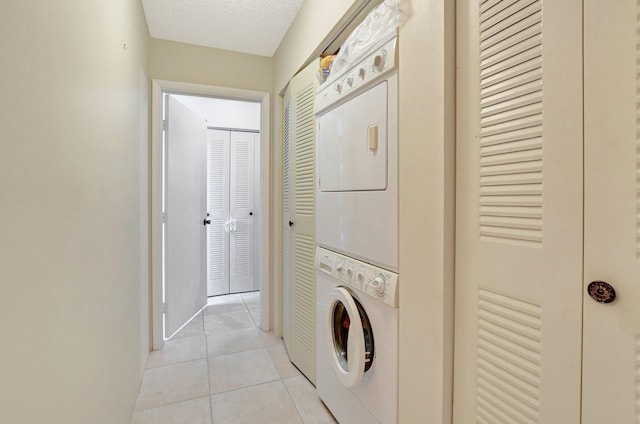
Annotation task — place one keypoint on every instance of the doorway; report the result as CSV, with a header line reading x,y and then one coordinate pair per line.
x,y
260,214
232,191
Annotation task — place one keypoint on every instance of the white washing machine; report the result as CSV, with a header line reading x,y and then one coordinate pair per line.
x,y
357,339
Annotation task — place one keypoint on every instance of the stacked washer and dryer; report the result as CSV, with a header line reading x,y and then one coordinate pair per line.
x,y
357,236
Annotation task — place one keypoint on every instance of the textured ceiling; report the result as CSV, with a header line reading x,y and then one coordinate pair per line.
x,y
247,26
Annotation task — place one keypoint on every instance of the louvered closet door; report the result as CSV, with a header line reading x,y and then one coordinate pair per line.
x,y
302,215
519,212
218,209
241,238
611,376
286,218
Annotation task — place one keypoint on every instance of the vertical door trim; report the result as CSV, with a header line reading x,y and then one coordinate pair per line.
x,y
263,211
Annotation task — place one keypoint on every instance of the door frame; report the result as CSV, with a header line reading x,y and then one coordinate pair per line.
x,y
158,87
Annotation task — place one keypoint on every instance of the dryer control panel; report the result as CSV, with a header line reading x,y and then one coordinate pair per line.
x,y
376,282
365,73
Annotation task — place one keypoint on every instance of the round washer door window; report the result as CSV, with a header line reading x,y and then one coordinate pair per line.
x,y
351,342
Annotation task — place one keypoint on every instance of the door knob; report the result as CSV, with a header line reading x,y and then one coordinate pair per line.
x,y
290,223
206,221
601,291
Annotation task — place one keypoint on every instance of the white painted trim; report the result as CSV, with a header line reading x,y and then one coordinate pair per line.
x,y
156,217
158,87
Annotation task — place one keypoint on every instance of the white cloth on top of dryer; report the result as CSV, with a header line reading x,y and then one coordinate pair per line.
x,y
379,23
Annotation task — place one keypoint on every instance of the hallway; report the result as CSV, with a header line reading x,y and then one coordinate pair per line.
x,y
221,368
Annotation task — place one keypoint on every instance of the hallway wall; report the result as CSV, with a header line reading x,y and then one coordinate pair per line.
x,y
427,209
172,61
73,210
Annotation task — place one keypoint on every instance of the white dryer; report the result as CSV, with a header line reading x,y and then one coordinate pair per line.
x,y
357,159
357,339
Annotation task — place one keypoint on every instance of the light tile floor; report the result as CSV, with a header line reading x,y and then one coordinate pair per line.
x,y
222,369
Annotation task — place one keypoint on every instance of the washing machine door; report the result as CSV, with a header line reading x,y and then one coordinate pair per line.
x,y
351,340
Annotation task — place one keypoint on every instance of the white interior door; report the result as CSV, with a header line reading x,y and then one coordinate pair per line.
x,y
299,233
242,246
218,209
611,376
519,212
185,267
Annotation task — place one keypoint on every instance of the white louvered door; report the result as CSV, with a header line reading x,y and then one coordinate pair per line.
x,y
611,364
519,212
286,218
301,236
218,209
242,237
231,201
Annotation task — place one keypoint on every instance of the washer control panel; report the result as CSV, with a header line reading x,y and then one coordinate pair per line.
x,y
376,282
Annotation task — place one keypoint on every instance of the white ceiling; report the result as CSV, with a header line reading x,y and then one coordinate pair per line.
x,y
247,26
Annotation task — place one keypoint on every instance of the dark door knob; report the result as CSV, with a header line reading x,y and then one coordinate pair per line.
x,y
290,223
601,291
206,221
250,213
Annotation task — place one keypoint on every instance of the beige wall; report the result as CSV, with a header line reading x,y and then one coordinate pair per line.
x,y
427,187
73,210
180,62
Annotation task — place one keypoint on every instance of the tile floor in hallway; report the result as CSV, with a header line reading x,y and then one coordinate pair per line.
x,y
222,369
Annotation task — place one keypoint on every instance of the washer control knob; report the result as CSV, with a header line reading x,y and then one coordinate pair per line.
x,y
349,272
350,81
379,284
379,61
361,73
339,88
360,276
339,267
